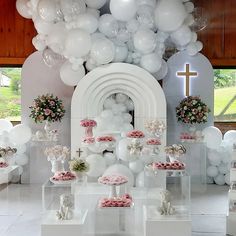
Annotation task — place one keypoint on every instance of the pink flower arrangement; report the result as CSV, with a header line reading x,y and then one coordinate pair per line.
x,y
123,201
176,165
3,165
135,134
105,139
192,110
153,141
89,140
187,136
63,176
47,108
113,179
88,125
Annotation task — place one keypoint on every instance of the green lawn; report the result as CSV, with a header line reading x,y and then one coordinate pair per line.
x,y
10,106
222,98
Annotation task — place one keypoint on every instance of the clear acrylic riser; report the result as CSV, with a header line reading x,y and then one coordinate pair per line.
x,y
196,165
51,195
7,173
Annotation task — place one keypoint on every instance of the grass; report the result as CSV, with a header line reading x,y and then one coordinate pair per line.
x,y
222,97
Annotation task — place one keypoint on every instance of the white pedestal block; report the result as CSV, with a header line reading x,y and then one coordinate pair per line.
x,y
6,174
232,174
50,226
231,222
154,223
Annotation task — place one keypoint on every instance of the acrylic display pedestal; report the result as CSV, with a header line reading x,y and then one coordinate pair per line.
x,y
156,224
196,162
51,194
231,222
50,226
7,173
38,159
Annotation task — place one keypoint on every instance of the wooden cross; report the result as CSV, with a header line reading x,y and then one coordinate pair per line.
x,y
187,75
79,152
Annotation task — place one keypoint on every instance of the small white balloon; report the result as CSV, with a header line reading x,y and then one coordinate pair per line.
x,y
212,171
230,136
192,49
20,134
126,128
107,114
182,36
121,98
161,74
22,159
110,158
127,118
121,53
97,165
87,22
43,27
69,76
23,8
189,6
130,105
223,169
214,158
151,62
95,4
123,10
108,25
21,149
5,125
220,179
109,102
48,10
39,43
94,12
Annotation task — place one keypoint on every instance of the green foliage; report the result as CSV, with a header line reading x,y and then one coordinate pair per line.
x,y
224,78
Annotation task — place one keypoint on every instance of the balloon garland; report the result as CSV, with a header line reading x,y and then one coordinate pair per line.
x,y
81,34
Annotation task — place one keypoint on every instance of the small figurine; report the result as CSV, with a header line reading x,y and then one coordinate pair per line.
x,y
166,207
66,207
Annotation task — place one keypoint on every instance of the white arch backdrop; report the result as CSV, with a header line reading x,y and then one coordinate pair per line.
x,y
91,92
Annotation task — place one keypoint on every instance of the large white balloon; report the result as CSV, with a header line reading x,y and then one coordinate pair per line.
x,y
20,134
72,8
43,27
230,136
182,36
136,166
69,76
110,158
87,22
220,179
108,25
97,165
212,171
5,125
123,10
77,43
145,41
151,62
102,51
162,72
169,15
121,170
97,4
151,3
23,9
48,10
212,137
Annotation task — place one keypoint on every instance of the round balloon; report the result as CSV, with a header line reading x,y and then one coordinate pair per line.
x,y
182,36
169,15
220,179
87,22
95,4
162,72
121,53
227,178
110,158
77,43
5,125
145,41
212,137
22,159
123,10
43,27
102,51
47,10
140,180
136,166
121,170
97,165
151,62
23,9
108,25
230,136
69,76
212,171
20,134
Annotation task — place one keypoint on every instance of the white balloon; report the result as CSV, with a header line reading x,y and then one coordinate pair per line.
x,y
20,170
199,45
21,149
97,165
145,16
121,170
212,171
162,72
189,6
230,136
169,15
123,10
192,49
220,179
94,12
5,125
132,25
121,53
90,66
214,158
97,4
127,128
109,102
121,98
103,51
127,118
51,58
227,178
118,108
110,158
151,3
151,62
48,10
182,36
140,180
122,150
107,114
22,159
23,9
87,22
69,76
56,38
39,43
20,134
145,41
42,27
108,25
136,166
130,105
77,43
212,137
72,8
223,169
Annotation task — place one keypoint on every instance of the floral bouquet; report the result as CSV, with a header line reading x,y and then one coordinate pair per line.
x,y
79,165
57,153
175,150
192,110
47,108
6,154
155,127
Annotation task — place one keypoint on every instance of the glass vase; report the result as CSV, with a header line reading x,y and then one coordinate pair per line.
x,y
57,166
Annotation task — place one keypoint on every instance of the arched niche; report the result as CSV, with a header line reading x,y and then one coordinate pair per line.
x,y
91,92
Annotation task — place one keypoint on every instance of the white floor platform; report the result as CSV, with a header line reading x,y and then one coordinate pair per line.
x,y
20,211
